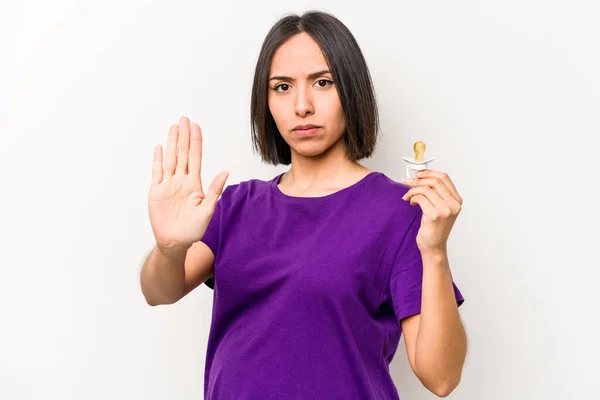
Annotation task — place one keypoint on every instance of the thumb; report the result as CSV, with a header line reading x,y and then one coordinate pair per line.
x,y
215,190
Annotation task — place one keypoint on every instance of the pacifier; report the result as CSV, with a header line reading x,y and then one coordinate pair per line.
x,y
417,164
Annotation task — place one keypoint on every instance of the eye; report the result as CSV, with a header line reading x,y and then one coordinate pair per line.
x,y
324,82
281,85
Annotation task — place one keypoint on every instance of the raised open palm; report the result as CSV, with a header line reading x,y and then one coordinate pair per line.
x,y
178,207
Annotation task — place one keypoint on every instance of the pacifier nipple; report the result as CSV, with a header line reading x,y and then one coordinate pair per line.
x,y
419,148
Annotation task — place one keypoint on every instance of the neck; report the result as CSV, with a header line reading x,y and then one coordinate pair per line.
x,y
329,169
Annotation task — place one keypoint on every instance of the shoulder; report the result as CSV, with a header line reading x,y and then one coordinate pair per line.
x,y
386,196
387,189
245,190
389,186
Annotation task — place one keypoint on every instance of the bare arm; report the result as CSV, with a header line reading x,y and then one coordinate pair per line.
x,y
169,275
180,212
436,342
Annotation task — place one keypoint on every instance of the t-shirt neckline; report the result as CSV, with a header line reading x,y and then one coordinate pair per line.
x,y
333,195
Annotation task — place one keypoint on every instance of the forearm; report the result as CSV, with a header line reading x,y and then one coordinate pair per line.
x,y
441,343
163,276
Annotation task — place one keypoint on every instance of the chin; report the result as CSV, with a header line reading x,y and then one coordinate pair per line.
x,y
310,150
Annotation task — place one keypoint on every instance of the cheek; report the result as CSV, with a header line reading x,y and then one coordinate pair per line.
x,y
275,110
279,115
336,114
340,116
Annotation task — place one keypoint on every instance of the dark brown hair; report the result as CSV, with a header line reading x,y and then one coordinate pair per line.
x,y
350,75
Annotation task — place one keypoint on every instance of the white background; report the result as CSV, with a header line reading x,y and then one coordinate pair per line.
x,y
506,95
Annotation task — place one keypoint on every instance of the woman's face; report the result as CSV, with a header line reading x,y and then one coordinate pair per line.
x,y
302,92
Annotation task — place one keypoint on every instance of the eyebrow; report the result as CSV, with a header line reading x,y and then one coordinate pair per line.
x,y
310,76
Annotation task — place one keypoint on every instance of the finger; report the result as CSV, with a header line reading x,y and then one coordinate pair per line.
x,y
427,173
171,158
430,195
439,186
157,168
195,161
215,190
183,145
427,208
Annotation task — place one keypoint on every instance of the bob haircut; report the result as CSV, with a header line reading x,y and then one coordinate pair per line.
x,y
350,75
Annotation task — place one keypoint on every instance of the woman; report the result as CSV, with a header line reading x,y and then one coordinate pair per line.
x,y
317,272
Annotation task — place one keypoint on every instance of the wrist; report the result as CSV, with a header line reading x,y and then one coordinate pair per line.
x,y
436,255
174,252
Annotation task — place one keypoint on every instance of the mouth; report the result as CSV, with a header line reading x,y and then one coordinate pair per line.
x,y
306,130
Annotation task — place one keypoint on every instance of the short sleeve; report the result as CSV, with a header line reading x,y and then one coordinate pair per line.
x,y
406,276
212,236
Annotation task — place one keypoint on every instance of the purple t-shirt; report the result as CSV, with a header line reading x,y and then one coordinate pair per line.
x,y
309,291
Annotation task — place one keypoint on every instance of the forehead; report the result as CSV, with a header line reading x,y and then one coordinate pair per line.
x,y
298,56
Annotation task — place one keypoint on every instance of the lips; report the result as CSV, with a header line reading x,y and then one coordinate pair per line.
x,y
306,132
304,127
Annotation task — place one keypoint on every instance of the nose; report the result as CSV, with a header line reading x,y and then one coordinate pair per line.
x,y
304,103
